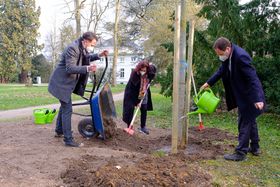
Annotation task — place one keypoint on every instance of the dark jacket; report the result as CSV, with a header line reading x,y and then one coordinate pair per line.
x,y
71,73
132,90
242,85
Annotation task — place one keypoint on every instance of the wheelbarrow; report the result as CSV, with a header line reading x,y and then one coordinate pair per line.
x,y
102,107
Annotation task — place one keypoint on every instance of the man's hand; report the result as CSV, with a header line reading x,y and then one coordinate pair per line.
x,y
259,105
204,86
104,53
92,68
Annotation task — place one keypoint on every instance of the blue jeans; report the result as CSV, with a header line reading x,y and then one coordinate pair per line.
x,y
63,122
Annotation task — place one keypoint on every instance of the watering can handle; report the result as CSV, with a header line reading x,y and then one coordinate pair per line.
x,y
200,93
196,98
206,89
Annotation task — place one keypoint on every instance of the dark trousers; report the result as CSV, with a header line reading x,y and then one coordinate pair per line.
x,y
248,132
128,115
143,116
63,122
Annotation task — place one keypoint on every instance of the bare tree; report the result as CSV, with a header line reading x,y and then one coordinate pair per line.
x,y
75,14
77,10
67,35
116,43
86,15
96,13
52,47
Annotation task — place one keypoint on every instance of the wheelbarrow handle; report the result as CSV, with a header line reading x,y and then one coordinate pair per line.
x,y
96,86
103,74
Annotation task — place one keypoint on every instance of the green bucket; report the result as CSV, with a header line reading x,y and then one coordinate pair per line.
x,y
44,115
206,102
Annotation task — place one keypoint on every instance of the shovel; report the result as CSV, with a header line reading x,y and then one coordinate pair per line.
x,y
201,126
129,130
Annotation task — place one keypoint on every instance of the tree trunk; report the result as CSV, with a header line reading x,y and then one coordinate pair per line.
x,y
115,61
78,17
23,76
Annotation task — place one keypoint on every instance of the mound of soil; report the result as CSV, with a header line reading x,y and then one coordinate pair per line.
x,y
110,127
166,171
147,162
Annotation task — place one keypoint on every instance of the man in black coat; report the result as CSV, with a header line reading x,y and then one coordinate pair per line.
x,y
134,93
70,76
243,90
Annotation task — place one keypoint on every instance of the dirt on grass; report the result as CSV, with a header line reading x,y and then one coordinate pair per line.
x,y
31,156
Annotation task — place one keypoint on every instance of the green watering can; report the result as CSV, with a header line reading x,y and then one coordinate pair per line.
x,y
44,115
206,102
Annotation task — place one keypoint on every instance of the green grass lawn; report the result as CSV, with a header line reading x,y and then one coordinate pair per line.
x,y
13,96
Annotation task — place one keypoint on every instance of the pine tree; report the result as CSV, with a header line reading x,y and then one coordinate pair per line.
x,y
19,26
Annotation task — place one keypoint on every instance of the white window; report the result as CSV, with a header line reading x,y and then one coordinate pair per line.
x,y
133,59
122,73
121,59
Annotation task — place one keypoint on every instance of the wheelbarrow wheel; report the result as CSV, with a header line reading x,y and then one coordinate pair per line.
x,y
86,128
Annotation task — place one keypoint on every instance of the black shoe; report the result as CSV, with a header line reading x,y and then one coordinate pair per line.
x,y
144,130
58,135
255,152
235,156
72,144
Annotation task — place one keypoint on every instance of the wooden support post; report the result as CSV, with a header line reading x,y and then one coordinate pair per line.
x,y
176,68
189,72
182,86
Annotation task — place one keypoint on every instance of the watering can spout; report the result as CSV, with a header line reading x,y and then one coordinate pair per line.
x,y
198,111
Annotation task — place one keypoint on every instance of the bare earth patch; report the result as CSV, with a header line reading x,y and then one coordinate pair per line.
x,y
31,156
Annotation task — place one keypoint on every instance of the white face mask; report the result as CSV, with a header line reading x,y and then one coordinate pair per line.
x,y
223,58
142,73
90,49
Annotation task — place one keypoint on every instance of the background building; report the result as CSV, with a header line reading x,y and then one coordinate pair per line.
x,y
128,57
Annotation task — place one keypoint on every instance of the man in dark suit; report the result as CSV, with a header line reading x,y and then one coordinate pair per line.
x,y
243,90
70,76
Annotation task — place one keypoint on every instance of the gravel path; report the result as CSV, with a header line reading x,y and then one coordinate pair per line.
x,y
23,112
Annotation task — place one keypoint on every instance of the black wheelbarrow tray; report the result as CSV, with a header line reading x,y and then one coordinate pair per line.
x,y
102,108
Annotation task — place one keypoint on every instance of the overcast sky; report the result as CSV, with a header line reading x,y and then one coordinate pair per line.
x,y
51,14
54,12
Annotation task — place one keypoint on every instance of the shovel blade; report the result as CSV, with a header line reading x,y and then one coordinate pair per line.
x,y
130,131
